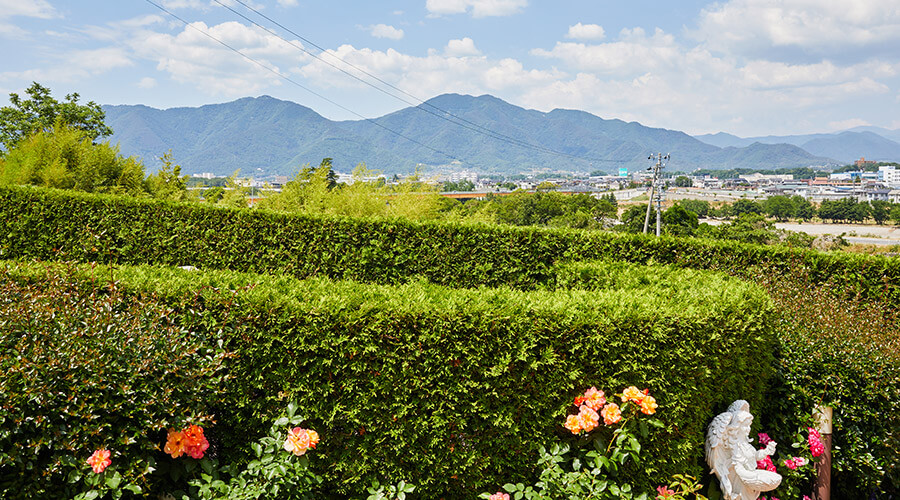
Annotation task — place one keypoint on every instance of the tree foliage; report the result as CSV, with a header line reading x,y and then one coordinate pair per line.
x,y
699,207
64,157
41,112
168,183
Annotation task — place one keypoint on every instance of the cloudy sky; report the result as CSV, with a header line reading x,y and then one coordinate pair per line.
x,y
747,67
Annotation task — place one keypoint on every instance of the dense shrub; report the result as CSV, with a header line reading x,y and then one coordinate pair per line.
x,y
834,339
48,224
453,389
86,367
845,354
65,157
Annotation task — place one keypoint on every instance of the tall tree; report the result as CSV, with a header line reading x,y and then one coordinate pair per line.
x,y
781,207
41,112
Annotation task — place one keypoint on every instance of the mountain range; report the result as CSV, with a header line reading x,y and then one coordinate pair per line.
x,y
268,136
871,143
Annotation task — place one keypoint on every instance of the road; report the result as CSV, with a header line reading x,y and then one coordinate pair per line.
x,y
862,234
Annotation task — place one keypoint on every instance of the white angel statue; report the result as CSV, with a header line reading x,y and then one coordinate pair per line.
x,y
732,457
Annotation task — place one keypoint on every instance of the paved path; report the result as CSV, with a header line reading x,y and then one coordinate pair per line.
x,y
863,234
855,233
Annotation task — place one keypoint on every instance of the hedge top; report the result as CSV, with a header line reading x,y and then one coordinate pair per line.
x,y
53,225
626,290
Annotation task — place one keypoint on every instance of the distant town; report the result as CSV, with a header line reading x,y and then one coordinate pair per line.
x,y
862,181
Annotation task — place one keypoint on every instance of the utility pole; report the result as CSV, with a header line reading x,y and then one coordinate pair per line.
x,y
655,189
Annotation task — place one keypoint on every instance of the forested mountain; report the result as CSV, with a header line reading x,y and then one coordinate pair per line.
x,y
873,143
274,136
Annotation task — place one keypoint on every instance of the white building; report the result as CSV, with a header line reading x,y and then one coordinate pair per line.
x,y
889,175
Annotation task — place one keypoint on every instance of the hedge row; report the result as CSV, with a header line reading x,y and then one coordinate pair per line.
x,y
48,224
452,389
85,368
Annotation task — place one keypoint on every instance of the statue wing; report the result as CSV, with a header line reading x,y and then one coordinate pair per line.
x,y
716,440
718,454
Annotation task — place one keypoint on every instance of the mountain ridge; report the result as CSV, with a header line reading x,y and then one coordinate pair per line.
x,y
873,143
273,136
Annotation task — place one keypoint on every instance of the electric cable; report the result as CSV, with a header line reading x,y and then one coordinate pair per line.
x,y
290,80
438,112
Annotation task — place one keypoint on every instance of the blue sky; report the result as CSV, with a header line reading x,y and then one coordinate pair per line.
x,y
747,67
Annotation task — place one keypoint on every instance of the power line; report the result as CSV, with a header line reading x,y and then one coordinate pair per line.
x,y
277,73
438,112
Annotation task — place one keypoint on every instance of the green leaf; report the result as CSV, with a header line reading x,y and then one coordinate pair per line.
x,y
114,480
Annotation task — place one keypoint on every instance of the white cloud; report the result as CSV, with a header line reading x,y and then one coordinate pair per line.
x,y
147,83
659,81
77,65
777,75
462,48
813,25
848,124
479,8
12,31
288,3
191,57
634,53
385,31
430,75
586,32
30,8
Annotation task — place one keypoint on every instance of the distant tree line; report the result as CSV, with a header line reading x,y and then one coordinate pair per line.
x,y
734,173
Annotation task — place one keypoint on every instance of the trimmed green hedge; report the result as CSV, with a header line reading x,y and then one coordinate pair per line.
x,y
50,224
84,369
452,389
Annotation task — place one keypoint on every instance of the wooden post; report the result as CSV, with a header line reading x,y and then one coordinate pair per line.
x,y
824,416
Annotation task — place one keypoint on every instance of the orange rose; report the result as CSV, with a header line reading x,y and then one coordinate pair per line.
x,y
313,438
174,443
99,461
588,418
297,441
594,399
195,443
632,394
573,424
648,405
611,414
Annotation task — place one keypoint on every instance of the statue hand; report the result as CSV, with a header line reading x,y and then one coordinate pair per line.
x,y
770,448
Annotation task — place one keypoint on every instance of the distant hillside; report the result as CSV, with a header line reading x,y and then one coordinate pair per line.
x,y
873,143
268,135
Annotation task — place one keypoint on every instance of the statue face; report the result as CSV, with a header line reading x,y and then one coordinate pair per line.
x,y
740,424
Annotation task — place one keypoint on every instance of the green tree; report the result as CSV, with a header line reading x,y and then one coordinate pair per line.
x,y
611,199
235,193
860,211
679,222
41,112
168,183
803,209
741,207
699,207
880,211
63,157
633,218
463,185
683,181
895,214
749,228
781,207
